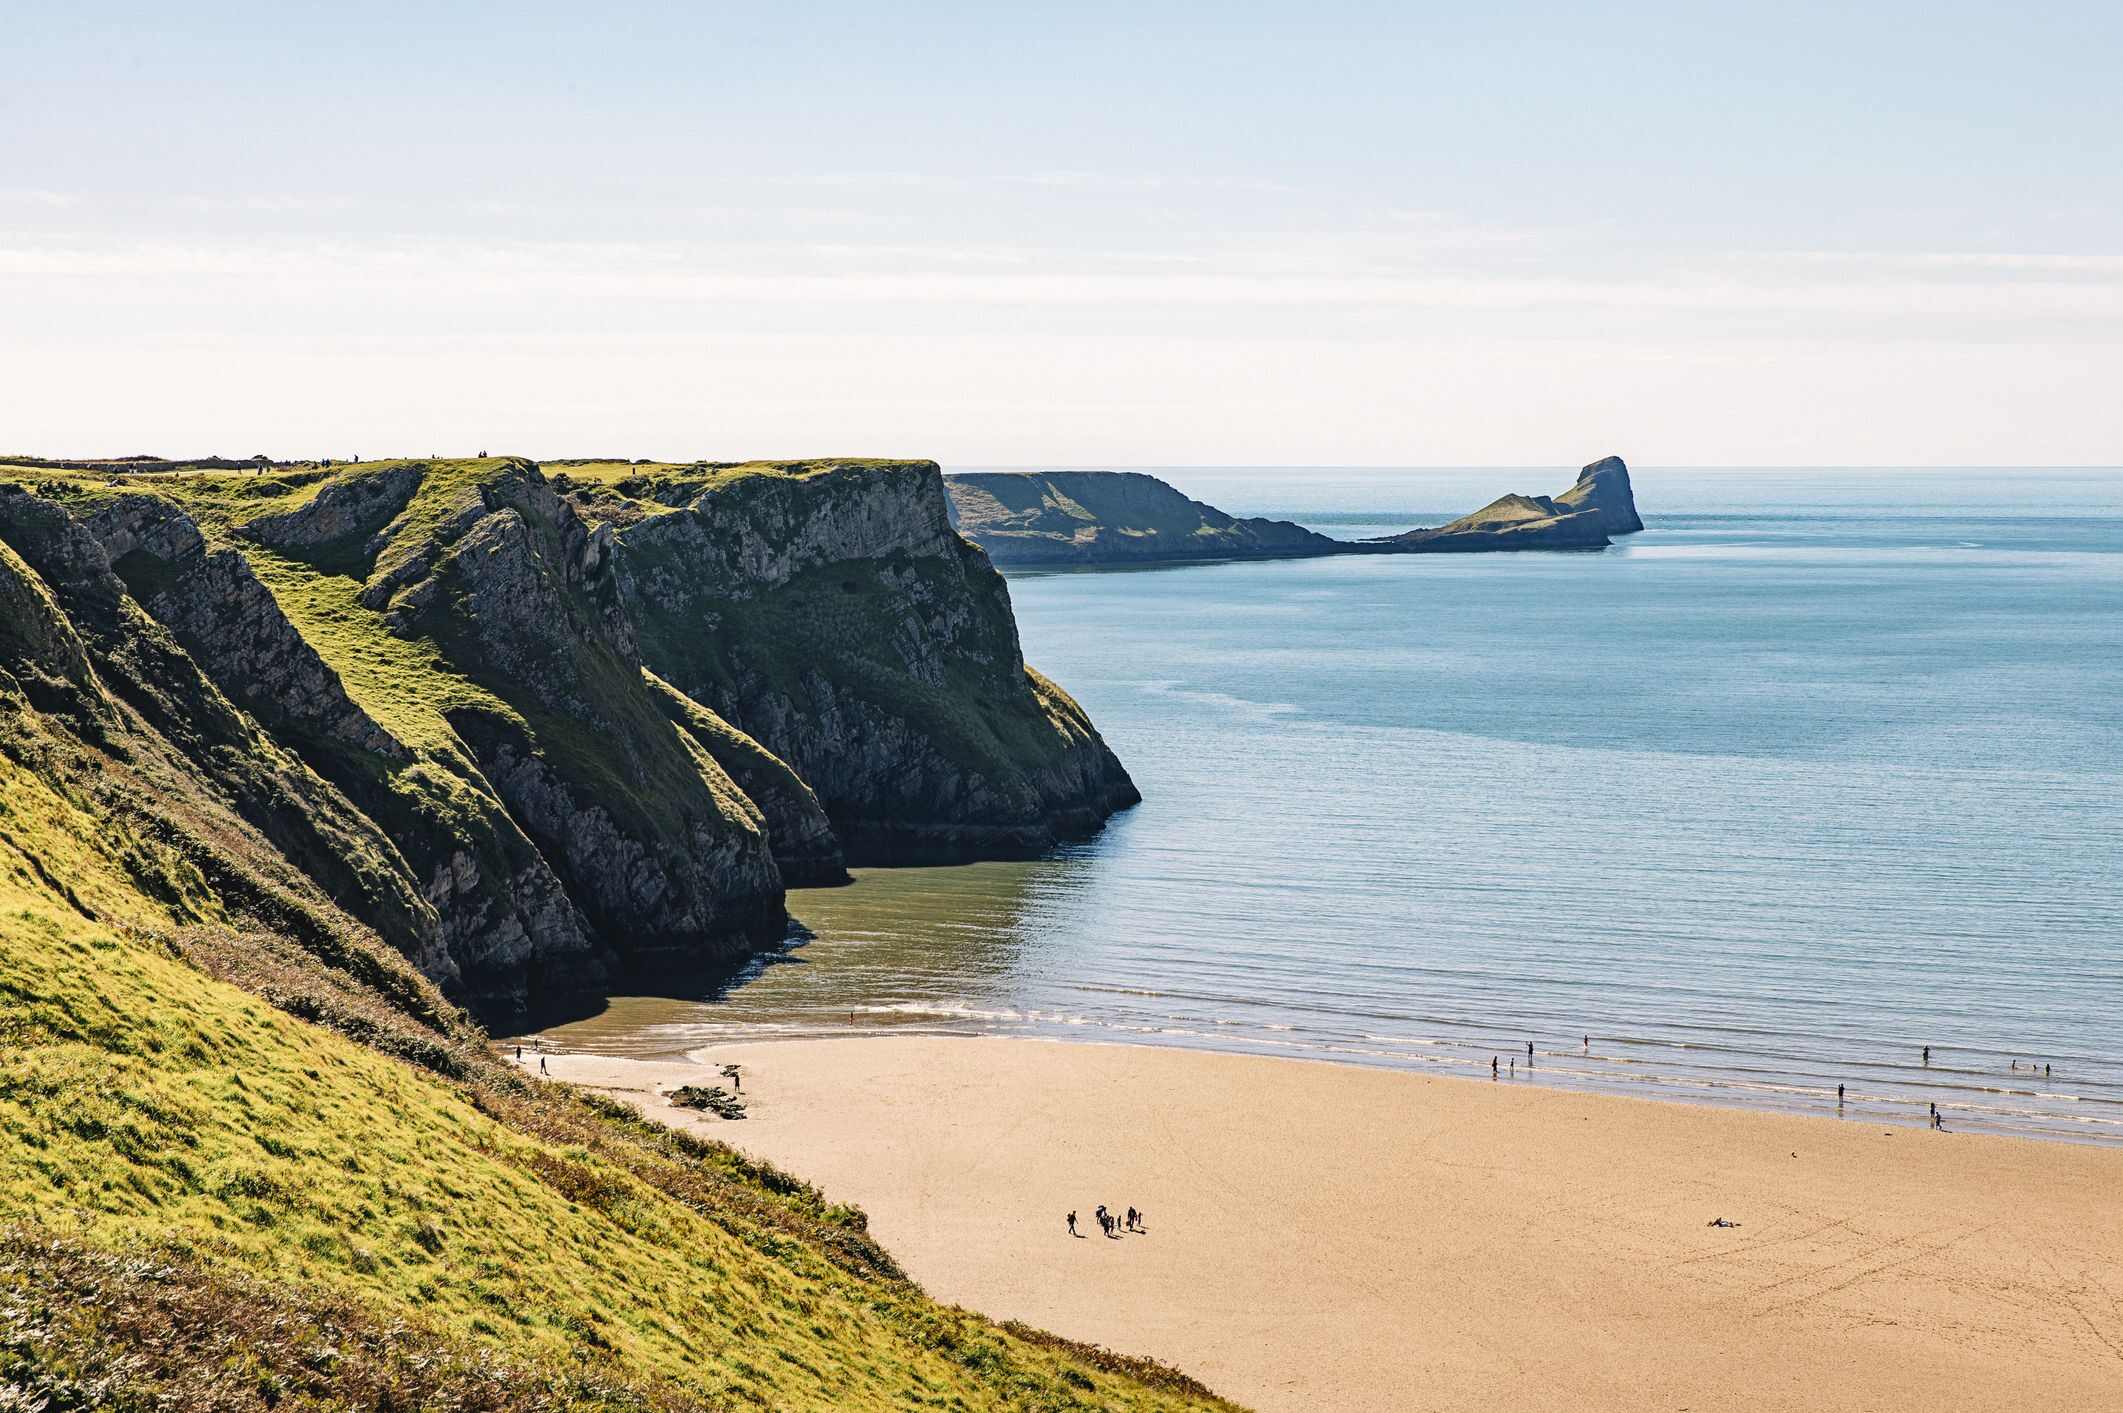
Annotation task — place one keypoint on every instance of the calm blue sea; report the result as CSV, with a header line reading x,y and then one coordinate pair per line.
x,y
1823,767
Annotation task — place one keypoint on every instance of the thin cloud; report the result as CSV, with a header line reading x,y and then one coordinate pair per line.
x,y
673,271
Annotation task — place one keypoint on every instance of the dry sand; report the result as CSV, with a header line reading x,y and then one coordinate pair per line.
x,y
1328,1237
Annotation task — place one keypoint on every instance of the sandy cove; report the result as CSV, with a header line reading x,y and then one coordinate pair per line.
x,y
1330,1237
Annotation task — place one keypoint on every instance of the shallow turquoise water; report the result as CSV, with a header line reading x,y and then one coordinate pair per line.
x,y
1821,768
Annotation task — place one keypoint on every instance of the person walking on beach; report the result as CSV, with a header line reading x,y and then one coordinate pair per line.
x,y
1492,1067
1105,1219
519,1054
1514,1069
541,1065
1072,1225
1131,1219
1936,1121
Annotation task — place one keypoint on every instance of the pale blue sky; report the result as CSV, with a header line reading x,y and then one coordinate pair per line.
x,y
1106,234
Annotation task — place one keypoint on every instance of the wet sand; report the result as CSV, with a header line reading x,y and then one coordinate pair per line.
x,y
1329,1237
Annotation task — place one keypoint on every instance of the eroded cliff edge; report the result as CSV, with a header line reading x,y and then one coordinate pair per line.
x,y
551,737
829,611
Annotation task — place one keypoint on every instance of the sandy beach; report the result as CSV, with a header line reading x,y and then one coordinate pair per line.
x,y
1329,1237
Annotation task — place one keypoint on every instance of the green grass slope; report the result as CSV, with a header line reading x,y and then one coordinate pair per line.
x,y
250,1158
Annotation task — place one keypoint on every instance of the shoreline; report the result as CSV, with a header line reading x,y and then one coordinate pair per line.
x,y
1333,1235
1977,1100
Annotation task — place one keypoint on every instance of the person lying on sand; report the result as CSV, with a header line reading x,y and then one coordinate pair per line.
x,y
1721,1222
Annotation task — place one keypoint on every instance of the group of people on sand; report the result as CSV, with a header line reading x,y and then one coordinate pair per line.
x,y
1113,1226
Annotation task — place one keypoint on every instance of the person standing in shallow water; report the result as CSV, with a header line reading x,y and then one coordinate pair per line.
x,y
1839,1096
1492,1067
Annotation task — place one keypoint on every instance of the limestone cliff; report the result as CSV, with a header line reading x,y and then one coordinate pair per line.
x,y
830,612
545,737
1063,518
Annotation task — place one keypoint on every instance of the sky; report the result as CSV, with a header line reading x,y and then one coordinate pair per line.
x,y
1187,234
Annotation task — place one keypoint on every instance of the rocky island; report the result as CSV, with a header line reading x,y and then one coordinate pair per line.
x,y
1598,506
1063,519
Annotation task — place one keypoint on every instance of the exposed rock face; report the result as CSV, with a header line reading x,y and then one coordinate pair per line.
x,y
39,649
836,618
805,849
232,624
355,506
512,943
1603,487
166,697
662,852
1062,518
418,693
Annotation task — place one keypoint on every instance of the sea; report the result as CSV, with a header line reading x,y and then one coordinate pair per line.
x,y
1823,768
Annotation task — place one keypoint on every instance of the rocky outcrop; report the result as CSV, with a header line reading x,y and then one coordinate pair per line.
x,y
513,942
346,509
1062,518
1582,518
1603,488
663,853
167,696
831,613
232,624
805,849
